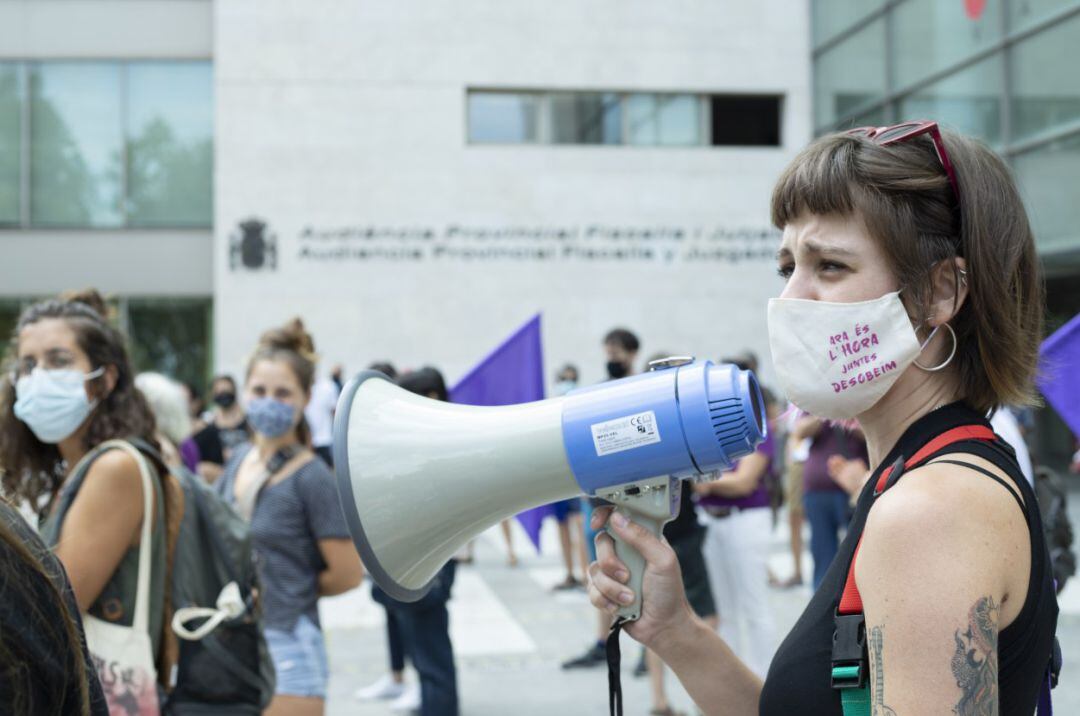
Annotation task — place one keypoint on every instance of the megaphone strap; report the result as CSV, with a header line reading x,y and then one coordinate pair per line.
x,y
614,659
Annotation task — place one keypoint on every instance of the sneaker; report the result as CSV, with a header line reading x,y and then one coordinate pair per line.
x,y
382,690
409,700
567,584
595,656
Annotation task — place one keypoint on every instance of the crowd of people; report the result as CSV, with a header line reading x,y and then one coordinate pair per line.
x,y
263,446
103,457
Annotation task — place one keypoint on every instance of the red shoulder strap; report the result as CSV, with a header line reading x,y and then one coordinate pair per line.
x,y
850,600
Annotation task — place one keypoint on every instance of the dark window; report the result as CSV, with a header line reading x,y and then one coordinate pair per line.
x,y
745,121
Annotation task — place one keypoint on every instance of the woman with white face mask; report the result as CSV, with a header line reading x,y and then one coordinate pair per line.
x,y
71,389
912,304
297,528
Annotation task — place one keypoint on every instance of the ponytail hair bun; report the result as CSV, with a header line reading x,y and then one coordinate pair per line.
x,y
89,297
291,337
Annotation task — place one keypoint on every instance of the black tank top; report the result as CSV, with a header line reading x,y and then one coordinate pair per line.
x,y
799,677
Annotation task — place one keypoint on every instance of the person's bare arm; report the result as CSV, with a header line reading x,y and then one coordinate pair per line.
x,y
939,553
807,427
711,673
102,523
344,570
851,475
741,481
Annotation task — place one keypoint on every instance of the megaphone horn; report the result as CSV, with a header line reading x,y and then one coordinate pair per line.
x,y
419,478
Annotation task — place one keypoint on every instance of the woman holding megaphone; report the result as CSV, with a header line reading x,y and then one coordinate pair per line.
x,y
912,304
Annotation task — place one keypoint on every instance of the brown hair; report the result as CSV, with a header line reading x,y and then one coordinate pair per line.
x,y
903,196
23,568
31,467
291,344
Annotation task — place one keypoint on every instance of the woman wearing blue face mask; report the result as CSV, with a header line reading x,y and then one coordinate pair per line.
x,y
912,304
288,494
71,390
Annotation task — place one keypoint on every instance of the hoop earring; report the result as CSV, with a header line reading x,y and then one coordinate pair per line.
x,y
948,360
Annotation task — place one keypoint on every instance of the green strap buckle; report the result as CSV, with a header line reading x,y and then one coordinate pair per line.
x,y
847,677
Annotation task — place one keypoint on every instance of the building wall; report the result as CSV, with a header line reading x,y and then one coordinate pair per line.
x,y
336,117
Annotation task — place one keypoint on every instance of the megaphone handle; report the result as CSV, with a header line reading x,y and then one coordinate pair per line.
x,y
635,563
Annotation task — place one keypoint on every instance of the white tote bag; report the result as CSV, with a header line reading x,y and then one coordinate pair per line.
x,y
124,656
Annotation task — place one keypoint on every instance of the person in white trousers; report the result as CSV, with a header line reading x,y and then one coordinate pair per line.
x,y
739,522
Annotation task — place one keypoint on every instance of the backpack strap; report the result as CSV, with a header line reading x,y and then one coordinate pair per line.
x,y
850,662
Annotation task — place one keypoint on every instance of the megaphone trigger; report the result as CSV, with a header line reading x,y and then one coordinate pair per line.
x,y
652,504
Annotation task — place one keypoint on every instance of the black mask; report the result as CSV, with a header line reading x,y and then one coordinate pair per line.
x,y
616,370
225,400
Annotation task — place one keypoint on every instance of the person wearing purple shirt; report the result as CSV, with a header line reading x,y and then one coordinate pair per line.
x,y
825,502
739,521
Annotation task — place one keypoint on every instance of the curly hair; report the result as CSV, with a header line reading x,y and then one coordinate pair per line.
x,y
30,467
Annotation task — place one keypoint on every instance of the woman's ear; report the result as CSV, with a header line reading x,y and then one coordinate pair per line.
x,y
101,388
948,290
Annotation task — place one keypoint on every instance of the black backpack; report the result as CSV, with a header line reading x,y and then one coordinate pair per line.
x,y
1051,493
228,670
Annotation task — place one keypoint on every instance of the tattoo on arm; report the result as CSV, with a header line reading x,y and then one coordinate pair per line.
x,y
877,703
975,663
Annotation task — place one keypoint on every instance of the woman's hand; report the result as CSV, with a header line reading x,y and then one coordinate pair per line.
x,y
850,475
665,613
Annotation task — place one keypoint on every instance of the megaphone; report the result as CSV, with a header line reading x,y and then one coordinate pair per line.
x,y
419,478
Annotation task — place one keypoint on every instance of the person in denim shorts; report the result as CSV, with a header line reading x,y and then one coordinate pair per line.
x,y
298,530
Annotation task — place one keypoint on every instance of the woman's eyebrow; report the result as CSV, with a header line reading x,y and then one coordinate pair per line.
x,y
818,248
58,353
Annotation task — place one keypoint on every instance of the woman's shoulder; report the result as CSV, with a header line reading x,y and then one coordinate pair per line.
x,y
315,471
115,469
942,514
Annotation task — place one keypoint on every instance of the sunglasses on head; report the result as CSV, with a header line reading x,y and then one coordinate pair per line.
x,y
884,136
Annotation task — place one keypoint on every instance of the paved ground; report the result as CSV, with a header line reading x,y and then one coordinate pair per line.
x,y
511,632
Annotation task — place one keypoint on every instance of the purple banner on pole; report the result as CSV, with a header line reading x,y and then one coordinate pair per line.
x,y
1059,372
512,373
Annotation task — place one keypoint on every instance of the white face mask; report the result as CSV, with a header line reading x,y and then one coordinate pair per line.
x,y
53,403
836,360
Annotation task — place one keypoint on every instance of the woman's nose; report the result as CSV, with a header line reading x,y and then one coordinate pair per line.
x,y
799,285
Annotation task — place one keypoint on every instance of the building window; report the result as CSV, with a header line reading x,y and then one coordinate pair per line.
x,y
663,120
1046,92
643,119
831,17
111,144
170,154
850,76
929,35
503,118
10,308
1024,13
745,121
170,336
1047,177
585,118
968,101
11,113
76,152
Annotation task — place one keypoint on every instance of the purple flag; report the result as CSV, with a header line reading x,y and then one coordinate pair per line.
x,y
512,373
1059,372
